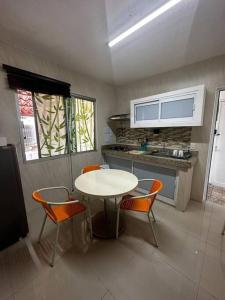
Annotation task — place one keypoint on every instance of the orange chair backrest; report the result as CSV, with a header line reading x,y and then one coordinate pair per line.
x,y
90,168
156,187
38,198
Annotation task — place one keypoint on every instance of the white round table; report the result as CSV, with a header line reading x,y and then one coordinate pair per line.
x,y
105,184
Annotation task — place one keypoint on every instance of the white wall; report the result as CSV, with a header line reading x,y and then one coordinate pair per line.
x,y
56,171
211,73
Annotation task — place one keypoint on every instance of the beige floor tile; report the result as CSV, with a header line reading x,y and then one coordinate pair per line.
x,y
204,295
194,220
5,279
20,266
213,272
137,245
151,280
29,292
107,259
216,239
214,252
187,262
218,211
9,298
216,224
71,278
108,296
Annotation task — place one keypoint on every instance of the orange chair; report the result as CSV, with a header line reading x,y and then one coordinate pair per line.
x,y
58,212
90,168
141,204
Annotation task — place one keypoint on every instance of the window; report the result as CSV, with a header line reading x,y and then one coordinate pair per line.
x,y
81,124
50,116
28,124
53,125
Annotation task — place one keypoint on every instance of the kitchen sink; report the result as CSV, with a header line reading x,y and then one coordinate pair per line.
x,y
187,155
160,154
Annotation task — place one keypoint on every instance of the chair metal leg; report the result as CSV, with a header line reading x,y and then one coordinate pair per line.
x,y
85,222
117,222
153,216
115,203
105,208
90,220
84,227
42,228
153,232
223,231
55,246
72,235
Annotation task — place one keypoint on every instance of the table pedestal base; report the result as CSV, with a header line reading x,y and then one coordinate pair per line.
x,y
104,225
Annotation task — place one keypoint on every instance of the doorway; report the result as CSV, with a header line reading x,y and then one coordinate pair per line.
x,y
216,183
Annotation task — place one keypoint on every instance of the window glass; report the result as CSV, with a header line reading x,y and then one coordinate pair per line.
x,y
147,112
81,124
28,124
51,120
177,109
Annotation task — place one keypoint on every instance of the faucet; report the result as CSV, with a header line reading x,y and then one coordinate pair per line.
x,y
144,144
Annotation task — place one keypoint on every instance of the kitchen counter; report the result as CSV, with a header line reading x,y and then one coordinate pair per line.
x,y
174,163
175,173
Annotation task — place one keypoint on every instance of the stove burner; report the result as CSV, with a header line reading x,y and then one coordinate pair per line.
x,y
120,148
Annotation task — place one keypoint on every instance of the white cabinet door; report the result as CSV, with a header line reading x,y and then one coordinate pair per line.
x,y
147,111
167,176
119,163
178,108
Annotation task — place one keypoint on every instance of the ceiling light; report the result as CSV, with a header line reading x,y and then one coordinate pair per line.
x,y
144,21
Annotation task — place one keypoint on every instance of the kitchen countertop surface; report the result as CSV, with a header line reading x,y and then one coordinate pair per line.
x,y
170,162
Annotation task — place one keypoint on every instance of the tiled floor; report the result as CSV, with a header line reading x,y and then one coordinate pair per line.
x,y
188,265
216,194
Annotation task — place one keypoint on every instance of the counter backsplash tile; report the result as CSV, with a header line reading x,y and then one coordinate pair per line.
x,y
178,137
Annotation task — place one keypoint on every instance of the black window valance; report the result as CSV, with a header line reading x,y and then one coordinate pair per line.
x,y
21,79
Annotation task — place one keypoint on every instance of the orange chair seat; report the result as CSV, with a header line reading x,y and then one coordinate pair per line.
x,y
91,168
64,212
140,205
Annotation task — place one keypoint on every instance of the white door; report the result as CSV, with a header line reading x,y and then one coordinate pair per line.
x,y
217,172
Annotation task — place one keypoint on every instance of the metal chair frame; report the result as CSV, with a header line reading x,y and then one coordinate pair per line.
x,y
148,213
223,231
50,203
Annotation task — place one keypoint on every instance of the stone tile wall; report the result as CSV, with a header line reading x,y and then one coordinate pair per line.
x,y
179,137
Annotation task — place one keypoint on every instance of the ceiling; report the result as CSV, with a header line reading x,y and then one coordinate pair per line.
x,y
75,34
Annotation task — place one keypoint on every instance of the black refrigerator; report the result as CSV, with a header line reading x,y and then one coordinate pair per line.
x,y
13,219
